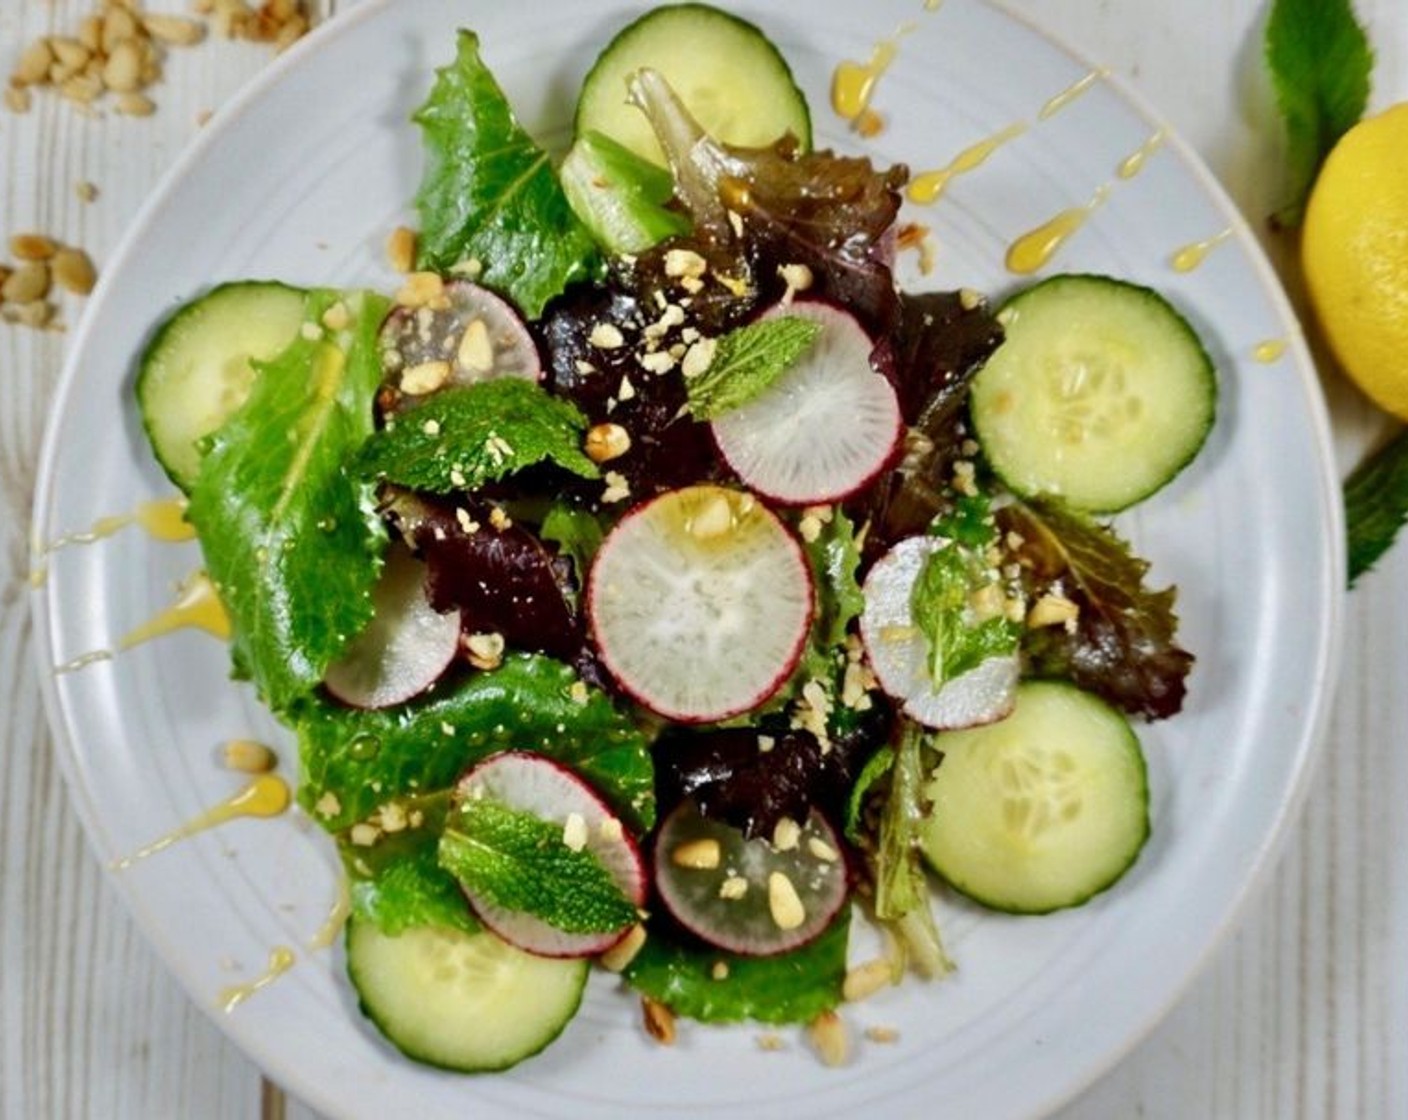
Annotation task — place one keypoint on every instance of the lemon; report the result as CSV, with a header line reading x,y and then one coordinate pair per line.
x,y
1354,249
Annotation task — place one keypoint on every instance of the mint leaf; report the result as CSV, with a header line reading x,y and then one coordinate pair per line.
x,y
792,987
517,860
291,538
489,193
461,438
365,758
954,578
747,361
1376,504
1320,63
398,884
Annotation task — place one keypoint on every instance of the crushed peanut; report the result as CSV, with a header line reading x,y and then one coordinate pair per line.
x,y
476,352
424,378
1052,610
697,855
784,904
866,979
733,888
787,835
248,757
605,442
401,249
574,832
485,651
616,958
659,1021
827,1034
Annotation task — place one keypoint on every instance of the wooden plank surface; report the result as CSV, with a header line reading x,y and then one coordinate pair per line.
x,y
1302,1013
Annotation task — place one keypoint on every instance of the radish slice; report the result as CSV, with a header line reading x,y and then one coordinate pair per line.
x,y
825,428
474,336
899,652
755,897
534,784
405,647
699,603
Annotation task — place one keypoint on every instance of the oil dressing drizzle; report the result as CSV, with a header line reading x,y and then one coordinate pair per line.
x,y
197,606
337,917
1033,249
1193,254
1055,104
163,520
1133,163
83,660
281,959
266,796
1272,350
927,186
853,84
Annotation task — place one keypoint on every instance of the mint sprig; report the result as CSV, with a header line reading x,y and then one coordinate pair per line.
x,y
747,361
1376,504
461,438
1320,63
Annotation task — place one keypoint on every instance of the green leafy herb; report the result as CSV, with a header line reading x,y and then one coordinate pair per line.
x,y
490,194
461,438
519,861
619,196
792,987
1123,644
577,533
398,884
748,360
364,758
1320,63
291,537
1376,504
834,558
875,769
901,890
952,579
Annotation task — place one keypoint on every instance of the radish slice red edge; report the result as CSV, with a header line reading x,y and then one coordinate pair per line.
x,y
898,651
755,897
406,646
470,335
826,428
534,784
699,603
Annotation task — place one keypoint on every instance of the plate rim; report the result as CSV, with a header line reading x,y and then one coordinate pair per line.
x,y
1326,663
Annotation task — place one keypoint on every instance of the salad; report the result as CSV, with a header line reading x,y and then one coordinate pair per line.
x,y
651,584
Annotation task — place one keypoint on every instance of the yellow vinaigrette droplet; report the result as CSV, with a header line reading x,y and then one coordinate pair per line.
x,y
280,961
853,83
1055,104
163,520
1270,351
929,185
198,605
1035,248
1133,163
1192,255
265,796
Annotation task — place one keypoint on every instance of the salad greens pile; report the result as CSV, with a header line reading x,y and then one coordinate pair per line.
x,y
492,483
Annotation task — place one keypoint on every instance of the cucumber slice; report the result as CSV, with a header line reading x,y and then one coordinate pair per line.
x,y
195,373
1100,393
731,78
1042,810
463,1001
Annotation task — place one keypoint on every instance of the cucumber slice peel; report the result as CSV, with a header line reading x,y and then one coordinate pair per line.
x,y
733,80
196,371
1100,394
1042,810
462,1001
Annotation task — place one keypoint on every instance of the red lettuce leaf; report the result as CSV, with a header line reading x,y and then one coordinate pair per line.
x,y
1122,645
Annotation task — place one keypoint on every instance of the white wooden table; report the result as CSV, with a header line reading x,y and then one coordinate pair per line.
x,y
1302,1012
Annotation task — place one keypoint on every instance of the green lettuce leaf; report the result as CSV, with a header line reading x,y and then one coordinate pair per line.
x,y
1320,63
519,861
461,438
622,198
577,533
291,538
793,987
748,360
354,761
490,194
398,884
1376,504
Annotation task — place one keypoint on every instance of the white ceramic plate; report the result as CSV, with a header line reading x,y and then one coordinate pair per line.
x,y
302,178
